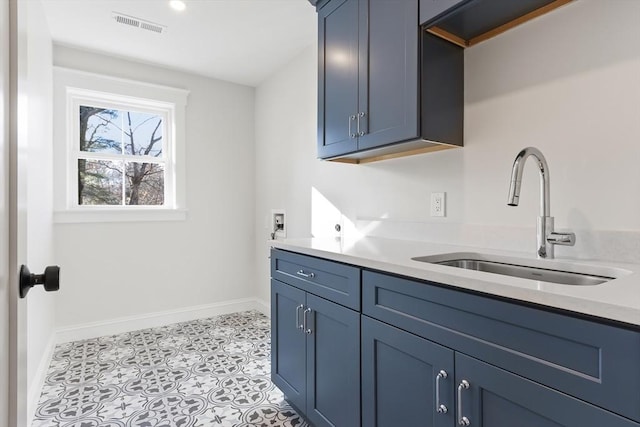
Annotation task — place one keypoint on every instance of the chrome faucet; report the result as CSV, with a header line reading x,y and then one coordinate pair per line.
x,y
546,238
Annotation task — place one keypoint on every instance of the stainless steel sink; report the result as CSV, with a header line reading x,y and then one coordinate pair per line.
x,y
506,267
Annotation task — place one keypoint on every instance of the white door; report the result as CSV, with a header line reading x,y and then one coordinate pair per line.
x,y
25,214
14,398
4,216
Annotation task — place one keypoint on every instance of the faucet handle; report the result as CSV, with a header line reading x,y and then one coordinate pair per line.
x,y
564,239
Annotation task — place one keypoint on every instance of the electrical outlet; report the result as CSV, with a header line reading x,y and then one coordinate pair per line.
x,y
278,224
438,204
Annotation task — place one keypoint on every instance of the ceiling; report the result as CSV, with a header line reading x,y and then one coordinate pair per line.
x,y
242,41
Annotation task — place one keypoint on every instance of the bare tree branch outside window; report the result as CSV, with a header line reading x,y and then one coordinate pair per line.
x,y
120,178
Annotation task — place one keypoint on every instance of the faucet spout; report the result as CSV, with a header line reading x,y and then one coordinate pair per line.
x,y
516,179
546,238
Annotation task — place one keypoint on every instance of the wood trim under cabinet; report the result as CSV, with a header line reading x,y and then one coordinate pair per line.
x,y
446,35
372,159
521,20
343,160
443,34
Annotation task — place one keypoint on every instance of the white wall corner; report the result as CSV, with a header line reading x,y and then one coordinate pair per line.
x,y
35,388
153,320
263,307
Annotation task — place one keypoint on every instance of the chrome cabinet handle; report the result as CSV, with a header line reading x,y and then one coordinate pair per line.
x,y
298,324
307,275
360,114
351,118
442,409
307,330
462,420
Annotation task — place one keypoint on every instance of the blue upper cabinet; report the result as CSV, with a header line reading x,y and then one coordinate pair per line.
x,y
372,98
338,78
388,73
391,72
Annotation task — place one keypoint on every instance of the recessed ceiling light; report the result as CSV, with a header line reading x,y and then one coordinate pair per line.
x,y
178,5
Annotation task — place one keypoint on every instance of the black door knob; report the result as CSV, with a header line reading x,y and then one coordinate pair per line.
x,y
50,279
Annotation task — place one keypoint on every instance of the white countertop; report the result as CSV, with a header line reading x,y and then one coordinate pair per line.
x,y
618,299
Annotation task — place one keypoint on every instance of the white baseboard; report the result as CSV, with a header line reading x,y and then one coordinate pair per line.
x,y
35,388
263,307
152,320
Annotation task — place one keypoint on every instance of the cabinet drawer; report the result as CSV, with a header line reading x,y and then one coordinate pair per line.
x,y
589,360
330,280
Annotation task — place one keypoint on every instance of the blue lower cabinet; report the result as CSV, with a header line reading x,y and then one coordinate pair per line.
x,y
288,342
406,380
422,354
333,364
315,356
590,360
491,397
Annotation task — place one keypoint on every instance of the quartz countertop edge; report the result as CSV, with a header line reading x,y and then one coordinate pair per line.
x,y
617,300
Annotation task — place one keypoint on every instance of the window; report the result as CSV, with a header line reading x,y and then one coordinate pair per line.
x,y
121,155
124,153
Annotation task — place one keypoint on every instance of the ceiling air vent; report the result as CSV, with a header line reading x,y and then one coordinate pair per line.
x,y
139,23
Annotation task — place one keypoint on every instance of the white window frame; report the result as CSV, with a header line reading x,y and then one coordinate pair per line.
x,y
74,88
78,97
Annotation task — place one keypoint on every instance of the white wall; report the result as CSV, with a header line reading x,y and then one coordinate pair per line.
x,y
115,270
566,83
40,304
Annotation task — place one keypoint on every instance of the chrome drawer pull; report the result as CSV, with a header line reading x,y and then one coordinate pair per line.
x,y
462,420
442,409
298,324
307,330
307,275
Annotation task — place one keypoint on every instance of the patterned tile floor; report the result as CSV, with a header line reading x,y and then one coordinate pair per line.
x,y
209,372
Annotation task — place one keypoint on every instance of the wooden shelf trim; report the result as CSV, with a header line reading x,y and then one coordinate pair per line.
x,y
437,31
446,35
430,149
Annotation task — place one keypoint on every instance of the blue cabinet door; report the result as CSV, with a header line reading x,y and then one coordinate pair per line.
x,y
497,398
368,81
399,376
337,77
388,72
288,342
333,364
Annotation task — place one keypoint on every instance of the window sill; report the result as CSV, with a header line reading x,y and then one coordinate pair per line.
x,y
118,215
